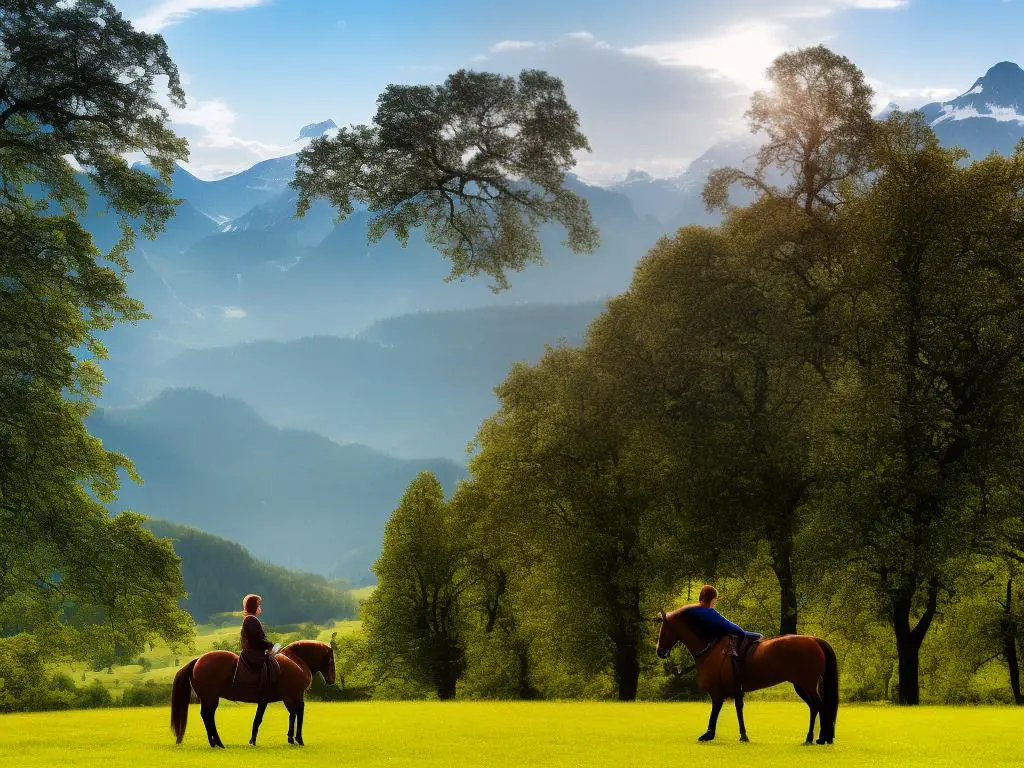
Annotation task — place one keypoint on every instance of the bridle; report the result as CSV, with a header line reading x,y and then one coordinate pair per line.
x,y
698,654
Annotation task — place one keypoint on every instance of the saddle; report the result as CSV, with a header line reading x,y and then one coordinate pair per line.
x,y
257,671
739,649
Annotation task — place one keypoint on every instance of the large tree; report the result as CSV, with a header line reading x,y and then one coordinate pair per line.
x,y
76,95
713,342
478,161
925,418
580,487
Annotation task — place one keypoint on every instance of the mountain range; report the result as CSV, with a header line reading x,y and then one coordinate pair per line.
x,y
291,497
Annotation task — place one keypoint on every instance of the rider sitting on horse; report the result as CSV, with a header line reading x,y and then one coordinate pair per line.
x,y
258,653
715,621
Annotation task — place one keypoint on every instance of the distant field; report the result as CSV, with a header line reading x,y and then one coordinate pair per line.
x,y
163,663
467,734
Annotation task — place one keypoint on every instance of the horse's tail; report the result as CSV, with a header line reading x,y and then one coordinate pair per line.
x,y
829,692
181,695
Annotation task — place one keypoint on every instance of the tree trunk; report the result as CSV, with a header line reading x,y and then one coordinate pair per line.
x,y
782,564
526,690
908,641
445,689
908,653
627,671
1010,645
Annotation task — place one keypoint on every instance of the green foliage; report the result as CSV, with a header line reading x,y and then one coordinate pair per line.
x,y
415,617
479,162
77,83
817,121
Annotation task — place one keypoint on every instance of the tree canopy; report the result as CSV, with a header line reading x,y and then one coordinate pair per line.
x,y
478,161
76,96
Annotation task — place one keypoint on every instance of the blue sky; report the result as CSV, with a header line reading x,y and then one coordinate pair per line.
x,y
656,82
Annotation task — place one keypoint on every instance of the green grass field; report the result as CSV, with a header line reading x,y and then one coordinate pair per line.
x,y
520,734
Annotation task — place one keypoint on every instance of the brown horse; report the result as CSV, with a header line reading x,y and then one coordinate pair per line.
x,y
211,677
809,663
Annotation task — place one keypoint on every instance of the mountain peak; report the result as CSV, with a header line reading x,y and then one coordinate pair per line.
x,y
314,130
998,95
634,175
1004,71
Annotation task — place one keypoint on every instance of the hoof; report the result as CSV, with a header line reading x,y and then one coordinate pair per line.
x,y
300,743
708,736
823,741
743,737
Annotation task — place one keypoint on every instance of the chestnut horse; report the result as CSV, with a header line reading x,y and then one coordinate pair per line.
x,y
809,663
211,677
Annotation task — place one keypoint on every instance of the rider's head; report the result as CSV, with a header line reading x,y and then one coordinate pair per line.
x,y
252,605
708,596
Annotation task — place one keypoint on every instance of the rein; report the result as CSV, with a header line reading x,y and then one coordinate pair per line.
x,y
704,650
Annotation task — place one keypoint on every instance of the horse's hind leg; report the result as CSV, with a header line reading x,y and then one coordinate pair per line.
x,y
299,715
208,712
814,703
260,709
716,707
739,717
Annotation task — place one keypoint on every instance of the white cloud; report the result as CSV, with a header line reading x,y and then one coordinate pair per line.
x,y
877,5
215,148
636,111
908,97
512,45
233,313
741,53
169,12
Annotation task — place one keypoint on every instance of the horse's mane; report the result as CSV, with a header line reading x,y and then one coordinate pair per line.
x,y
302,645
693,623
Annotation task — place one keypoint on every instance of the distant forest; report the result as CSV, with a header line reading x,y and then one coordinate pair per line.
x,y
218,573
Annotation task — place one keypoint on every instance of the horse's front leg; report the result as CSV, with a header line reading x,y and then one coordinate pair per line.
x,y
716,707
260,709
739,717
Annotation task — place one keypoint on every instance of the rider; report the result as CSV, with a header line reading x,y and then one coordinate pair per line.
x,y
258,653
705,609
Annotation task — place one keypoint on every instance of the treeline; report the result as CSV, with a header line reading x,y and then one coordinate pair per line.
x,y
816,404
218,573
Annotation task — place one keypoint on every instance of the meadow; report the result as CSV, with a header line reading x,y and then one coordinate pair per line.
x,y
518,734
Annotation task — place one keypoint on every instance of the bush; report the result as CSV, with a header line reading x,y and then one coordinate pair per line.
x,y
147,694
93,696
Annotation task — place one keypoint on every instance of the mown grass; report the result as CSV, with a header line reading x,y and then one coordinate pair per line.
x,y
469,734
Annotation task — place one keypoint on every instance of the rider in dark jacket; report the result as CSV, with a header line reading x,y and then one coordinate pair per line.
x,y
258,653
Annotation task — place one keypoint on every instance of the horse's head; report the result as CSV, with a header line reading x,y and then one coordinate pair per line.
x,y
676,628
317,656
327,670
667,636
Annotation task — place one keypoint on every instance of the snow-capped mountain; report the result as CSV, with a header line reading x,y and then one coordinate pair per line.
x,y
988,117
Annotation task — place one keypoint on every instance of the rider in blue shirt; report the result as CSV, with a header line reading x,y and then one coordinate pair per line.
x,y
715,621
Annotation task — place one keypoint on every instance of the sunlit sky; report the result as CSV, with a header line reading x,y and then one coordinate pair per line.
x,y
656,82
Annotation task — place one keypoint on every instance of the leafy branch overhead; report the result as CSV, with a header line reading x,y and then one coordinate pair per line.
x,y
479,162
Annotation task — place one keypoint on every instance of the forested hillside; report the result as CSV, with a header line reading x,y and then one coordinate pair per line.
x,y
219,573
